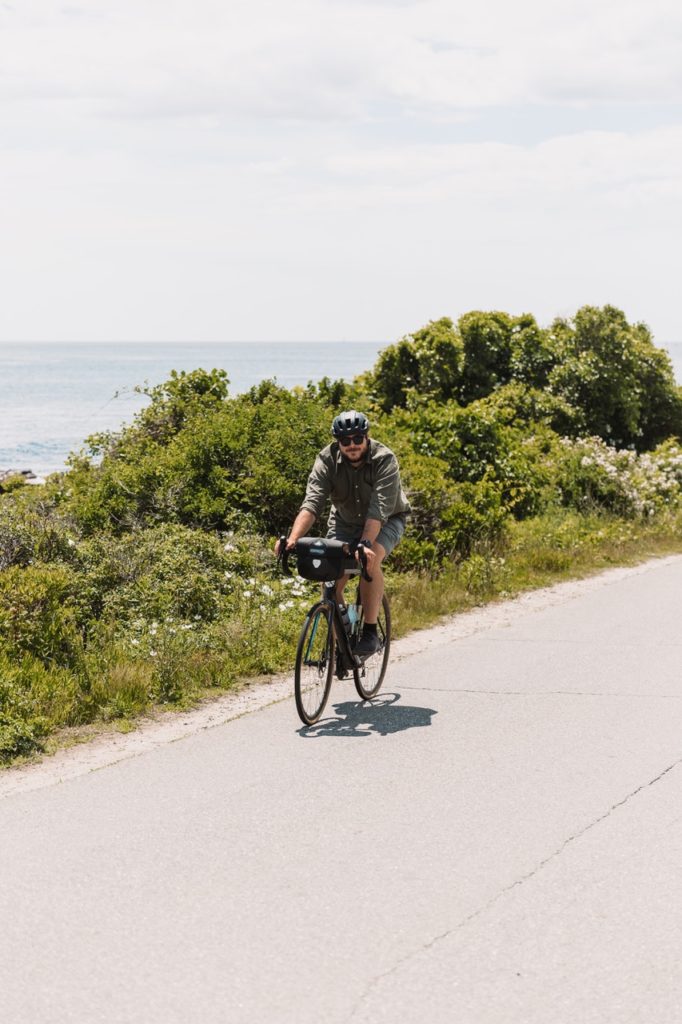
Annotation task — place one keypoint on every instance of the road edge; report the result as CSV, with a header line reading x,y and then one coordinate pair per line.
x,y
111,747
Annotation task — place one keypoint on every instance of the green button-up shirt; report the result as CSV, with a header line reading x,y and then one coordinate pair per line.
x,y
370,491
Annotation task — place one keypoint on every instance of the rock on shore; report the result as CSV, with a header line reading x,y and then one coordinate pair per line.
x,y
29,476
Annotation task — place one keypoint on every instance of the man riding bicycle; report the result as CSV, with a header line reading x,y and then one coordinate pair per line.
x,y
369,507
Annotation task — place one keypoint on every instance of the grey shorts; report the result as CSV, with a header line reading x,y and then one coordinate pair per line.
x,y
389,535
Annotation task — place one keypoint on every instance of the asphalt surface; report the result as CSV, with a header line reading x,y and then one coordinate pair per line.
x,y
497,839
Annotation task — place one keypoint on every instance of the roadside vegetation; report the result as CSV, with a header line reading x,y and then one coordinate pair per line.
x,y
143,576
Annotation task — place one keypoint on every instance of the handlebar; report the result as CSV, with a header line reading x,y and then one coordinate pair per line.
x,y
284,553
360,548
283,556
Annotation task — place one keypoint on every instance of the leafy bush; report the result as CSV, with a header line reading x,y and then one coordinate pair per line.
x,y
475,445
243,462
41,613
518,405
593,475
164,570
32,527
487,341
34,699
611,371
427,363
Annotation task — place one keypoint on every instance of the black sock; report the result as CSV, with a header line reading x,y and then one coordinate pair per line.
x,y
370,627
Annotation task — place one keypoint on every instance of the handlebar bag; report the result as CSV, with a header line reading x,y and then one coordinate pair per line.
x,y
322,559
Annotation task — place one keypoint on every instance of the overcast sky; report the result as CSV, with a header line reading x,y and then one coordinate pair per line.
x,y
314,169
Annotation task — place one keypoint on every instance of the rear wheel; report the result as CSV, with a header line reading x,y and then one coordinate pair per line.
x,y
314,663
370,674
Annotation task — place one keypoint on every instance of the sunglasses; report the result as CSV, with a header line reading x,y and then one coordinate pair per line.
x,y
355,439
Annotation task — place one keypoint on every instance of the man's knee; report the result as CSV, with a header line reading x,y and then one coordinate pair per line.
x,y
379,552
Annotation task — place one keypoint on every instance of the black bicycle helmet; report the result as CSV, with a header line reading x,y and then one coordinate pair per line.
x,y
348,423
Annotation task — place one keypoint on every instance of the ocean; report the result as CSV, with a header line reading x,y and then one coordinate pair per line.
x,y
52,396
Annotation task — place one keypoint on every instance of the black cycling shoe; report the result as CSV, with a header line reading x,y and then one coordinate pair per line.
x,y
369,643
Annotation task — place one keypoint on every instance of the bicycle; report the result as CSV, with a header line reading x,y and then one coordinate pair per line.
x,y
331,629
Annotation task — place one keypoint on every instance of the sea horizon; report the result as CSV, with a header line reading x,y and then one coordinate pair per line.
x,y
53,395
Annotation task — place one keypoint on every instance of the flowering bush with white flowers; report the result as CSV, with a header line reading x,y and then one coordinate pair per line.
x,y
594,475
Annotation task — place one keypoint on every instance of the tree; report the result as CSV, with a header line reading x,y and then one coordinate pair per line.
x,y
487,344
612,371
428,362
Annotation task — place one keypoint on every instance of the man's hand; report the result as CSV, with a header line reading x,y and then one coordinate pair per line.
x,y
369,554
290,544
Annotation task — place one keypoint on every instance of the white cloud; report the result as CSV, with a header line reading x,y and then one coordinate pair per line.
x,y
253,170
313,58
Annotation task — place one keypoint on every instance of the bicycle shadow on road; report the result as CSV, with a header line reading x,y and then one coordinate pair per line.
x,y
363,718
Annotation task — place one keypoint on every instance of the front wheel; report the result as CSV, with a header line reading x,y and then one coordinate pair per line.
x,y
370,674
314,663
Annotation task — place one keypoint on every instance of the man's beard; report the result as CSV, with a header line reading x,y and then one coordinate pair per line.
x,y
355,456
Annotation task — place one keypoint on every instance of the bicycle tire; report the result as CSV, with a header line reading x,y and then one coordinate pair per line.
x,y
314,663
369,676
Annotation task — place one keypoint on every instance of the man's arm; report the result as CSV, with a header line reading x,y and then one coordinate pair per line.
x,y
302,523
316,495
385,490
370,530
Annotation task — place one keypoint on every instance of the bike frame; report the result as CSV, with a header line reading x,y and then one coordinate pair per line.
x,y
343,638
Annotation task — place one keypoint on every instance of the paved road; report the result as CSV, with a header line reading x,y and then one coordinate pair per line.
x,y
499,840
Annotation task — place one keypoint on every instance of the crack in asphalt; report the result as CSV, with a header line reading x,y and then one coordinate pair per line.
x,y
372,984
558,642
544,693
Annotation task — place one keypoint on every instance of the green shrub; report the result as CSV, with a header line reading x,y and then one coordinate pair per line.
x,y
240,463
34,700
165,570
12,483
41,614
594,476
487,341
427,363
475,445
612,372
518,405
32,527
448,519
